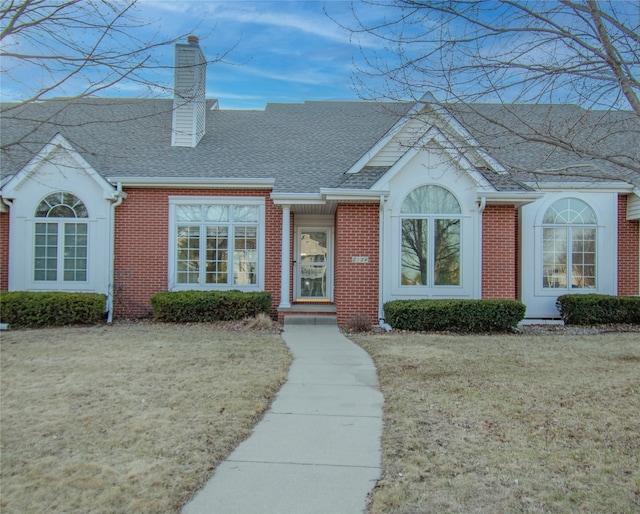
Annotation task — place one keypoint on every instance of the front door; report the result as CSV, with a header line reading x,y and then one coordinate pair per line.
x,y
313,264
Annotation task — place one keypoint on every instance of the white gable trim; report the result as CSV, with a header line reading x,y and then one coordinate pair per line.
x,y
441,111
57,143
466,135
433,134
375,149
397,127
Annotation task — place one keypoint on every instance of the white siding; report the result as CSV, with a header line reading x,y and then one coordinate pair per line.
x,y
189,105
633,207
407,138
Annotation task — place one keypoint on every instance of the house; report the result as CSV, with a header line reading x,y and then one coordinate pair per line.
x,y
333,207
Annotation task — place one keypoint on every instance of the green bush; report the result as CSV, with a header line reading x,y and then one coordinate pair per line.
x,y
195,306
597,309
454,315
33,310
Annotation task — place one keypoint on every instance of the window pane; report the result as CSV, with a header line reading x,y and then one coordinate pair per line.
x,y
415,236
246,213
245,256
61,211
188,255
75,252
217,255
188,212
554,257
583,258
61,205
430,200
216,213
447,252
570,211
46,244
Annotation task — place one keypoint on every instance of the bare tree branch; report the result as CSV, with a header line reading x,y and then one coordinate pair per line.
x,y
509,52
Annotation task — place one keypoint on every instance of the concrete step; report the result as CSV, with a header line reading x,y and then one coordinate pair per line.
x,y
303,319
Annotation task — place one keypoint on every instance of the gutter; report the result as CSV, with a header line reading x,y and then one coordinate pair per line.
x,y
202,183
508,197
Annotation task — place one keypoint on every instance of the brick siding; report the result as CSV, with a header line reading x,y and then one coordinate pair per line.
x,y
141,246
4,251
500,252
356,284
628,249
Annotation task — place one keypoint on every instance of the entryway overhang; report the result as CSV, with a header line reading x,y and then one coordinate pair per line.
x,y
326,201
323,203
508,198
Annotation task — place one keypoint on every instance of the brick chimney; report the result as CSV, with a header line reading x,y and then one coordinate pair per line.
x,y
189,105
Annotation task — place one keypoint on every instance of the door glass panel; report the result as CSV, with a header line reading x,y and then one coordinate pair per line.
x,y
313,264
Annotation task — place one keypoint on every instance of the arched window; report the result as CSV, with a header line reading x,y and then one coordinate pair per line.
x,y
431,218
60,250
569,230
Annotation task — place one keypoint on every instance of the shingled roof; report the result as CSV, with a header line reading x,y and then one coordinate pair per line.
x,y
302,146
551,143
308,146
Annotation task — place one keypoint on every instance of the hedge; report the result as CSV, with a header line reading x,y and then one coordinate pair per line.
x,y
196,306
598,309
38,309
454,315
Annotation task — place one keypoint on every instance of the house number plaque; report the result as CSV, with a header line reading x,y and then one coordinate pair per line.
x,y
360,260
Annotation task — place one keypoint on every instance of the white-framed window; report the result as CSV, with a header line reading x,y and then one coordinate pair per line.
x,y
431,221
216,243
569,232
60,239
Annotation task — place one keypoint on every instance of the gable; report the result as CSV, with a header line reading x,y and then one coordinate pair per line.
x,y
57,166
432,152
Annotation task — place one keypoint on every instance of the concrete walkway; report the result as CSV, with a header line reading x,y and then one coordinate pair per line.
x,y
317,450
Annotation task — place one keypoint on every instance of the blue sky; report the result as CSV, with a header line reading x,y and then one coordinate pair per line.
x,y
279,51
274,51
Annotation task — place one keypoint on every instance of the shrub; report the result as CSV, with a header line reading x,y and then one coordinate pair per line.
x,y
33,310
596,309
262,321
195,306
358,323
454,315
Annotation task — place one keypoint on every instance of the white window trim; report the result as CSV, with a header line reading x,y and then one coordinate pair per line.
x,y
430,290
59,284
215,200
606,245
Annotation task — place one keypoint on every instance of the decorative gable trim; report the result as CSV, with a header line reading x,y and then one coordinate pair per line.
x,y
58,143
440,111
434,134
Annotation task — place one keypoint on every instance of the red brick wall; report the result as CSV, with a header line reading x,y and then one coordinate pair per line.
x,y
141,246
4,251
500,252
356,284
628,259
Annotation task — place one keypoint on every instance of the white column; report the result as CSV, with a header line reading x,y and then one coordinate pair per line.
x,y
285,268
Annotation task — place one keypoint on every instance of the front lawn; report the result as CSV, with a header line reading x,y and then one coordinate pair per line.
x,y
512,423
127,418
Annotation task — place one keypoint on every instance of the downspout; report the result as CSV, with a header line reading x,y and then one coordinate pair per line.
x,y
382,322
119,197
483,204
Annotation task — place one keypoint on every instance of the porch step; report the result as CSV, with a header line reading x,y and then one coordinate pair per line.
x,y
303,319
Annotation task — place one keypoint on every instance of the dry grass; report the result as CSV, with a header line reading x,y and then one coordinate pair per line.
x,y
128,418
514,423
